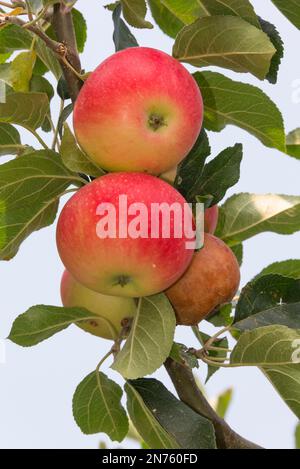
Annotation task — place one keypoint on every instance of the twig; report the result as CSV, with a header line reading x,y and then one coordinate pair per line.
x,y
188,391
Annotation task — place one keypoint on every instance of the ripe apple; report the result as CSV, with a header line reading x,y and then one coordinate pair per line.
x,y
111,309
211,216
211,280
140,110
114,263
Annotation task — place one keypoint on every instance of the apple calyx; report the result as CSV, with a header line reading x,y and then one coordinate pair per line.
x,y
156,121
123,280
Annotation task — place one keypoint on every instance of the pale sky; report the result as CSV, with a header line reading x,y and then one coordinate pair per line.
x,y
37,383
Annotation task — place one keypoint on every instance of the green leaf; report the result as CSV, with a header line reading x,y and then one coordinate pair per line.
x,y
73,158
293,143
286,380
10,141
169,23
14,38
80,28
41,322
276,40
289,268
188,429
238,251
63,117
36,182
297,436
221,173
26,109
223,403
97,407
21,71
48,58
290,9
266,292
39,84
173,15
284,315
180,354
245,215
228,102
190,170
266,346
223,317
150,339
134,12
225,41
146,423
122,36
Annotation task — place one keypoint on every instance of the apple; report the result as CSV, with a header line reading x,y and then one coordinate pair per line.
x,y
211,216
127,260
139,111
111,309
211,280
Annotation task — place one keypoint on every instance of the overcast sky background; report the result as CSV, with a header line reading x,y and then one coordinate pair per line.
x,y
37,383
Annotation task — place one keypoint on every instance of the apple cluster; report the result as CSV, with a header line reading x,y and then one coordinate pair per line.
x,y
137,117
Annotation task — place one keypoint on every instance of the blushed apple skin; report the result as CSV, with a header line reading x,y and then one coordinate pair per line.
x,y
111,309
112,112
211,216
211,280
116,266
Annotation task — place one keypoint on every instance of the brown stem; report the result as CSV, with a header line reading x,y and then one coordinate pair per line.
x,y
188,391
64,29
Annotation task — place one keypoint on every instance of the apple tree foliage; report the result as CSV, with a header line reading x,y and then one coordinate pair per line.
x,y
265,320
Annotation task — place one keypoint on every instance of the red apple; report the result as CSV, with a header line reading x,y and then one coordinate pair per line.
x,y
124,266
211,280
211,216
140,110
110,309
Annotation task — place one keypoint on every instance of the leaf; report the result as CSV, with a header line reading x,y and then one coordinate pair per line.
x,y
238,251
39,84
80,28
266,347
180,354
73,158
290,9
286,380
21,70
289,268
284,315
10,141
164,17
245,215
221,173
225,41
29,191
26,109
276,40
266,292
223,403
241,8
41,322
297,436
134,12
145,422
150,340
182,424
293,143
223,317
97,407
14,38
48,58
228,102
211,370
190,170
122,36
63,117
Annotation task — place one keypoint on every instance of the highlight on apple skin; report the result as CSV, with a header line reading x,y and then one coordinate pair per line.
x,y
140,110
211,280
110,309
128,266
211,216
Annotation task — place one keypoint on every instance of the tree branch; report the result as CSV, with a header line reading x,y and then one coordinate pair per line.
x,y
188,391
64,29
